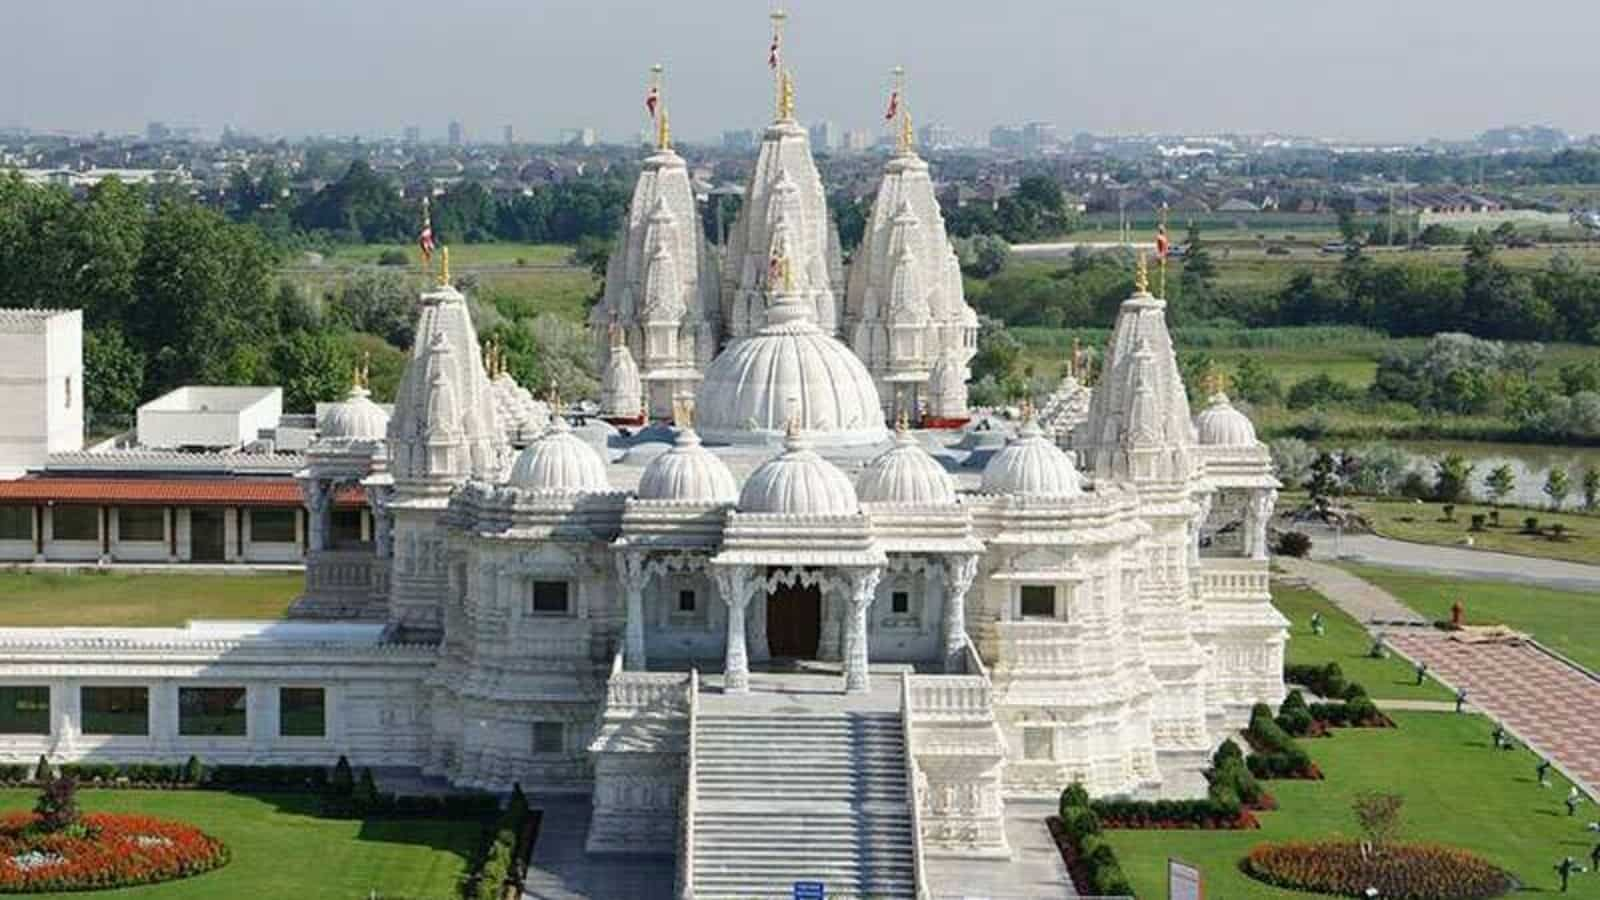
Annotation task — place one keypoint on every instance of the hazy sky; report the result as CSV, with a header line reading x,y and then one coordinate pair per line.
x,y
1386,69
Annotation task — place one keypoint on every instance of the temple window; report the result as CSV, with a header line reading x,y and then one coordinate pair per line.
x,y
211,711
550,598
1038,744
346,527
16,523
900,603
302,712
24,709
1038,601
549,738
115,710
686,601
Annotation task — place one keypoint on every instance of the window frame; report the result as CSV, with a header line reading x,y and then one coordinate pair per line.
x,y
693,598
84,714
160,519
14,715
256,530
1030,737
14,514
534,588
539,739
345,526
322,693
224,719
1023,601
93,511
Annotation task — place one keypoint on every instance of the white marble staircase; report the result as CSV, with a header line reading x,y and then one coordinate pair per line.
x,y
819,797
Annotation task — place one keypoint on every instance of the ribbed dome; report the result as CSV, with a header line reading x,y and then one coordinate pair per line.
x,y
1031,465
559,462
688,473
356,418
790,369
1220,425
798,482
906,473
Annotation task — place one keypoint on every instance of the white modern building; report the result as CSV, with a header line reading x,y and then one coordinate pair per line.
x,y
776,636
41,367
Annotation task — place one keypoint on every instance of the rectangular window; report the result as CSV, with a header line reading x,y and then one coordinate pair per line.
x,y
302,712
549,737
550,597
686,601
272,526
346,527
16,523
209,711
1038,601
1038,744
141,523
115,710
900,602
24,709
75,523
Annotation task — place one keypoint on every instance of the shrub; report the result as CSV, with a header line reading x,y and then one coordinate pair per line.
x,y
1449,511
394,258
57,807
1294,543
1227,750
42,772
343,783
193,772
1530,525
1234,776
1479,521
366,791
1074,795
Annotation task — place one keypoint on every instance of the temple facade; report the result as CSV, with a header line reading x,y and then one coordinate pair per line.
x,y
1016,605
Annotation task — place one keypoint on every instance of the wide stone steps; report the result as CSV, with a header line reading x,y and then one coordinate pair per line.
x,y
782,799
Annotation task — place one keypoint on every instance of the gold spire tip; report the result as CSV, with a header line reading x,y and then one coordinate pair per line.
x,y
1141,275
444,266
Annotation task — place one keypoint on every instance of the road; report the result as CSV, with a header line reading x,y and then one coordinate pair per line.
x,y
1460,562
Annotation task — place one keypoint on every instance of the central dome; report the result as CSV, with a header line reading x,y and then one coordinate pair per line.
x,y
790,371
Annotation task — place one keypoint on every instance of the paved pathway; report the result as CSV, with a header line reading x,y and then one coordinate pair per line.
x,y
1463,562
1365,602
1034,872
1547,703
560,869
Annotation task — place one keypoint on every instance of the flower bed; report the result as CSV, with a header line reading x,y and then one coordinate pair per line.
x,y
1397,871
103,851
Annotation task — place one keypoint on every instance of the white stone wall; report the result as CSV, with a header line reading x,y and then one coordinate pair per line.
x,y
41,368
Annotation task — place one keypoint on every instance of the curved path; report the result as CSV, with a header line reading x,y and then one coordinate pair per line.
x,y
1461,562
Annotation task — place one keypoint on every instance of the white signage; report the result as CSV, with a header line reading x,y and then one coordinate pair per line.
x,y
1183,881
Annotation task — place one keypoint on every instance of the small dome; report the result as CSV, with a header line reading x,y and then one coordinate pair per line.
x,y
798,482
1031,465
356,418
689,473
1220,425
906,473
559,462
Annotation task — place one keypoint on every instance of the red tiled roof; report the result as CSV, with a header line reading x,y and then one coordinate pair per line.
x,y
165,491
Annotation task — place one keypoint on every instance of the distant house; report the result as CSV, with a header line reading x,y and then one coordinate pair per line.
x,y
1237,205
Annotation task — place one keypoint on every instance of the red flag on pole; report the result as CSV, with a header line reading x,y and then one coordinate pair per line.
x,y
894,107
1162,244
652,99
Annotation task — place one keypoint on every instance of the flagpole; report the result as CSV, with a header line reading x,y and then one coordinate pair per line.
x,y
779,17
1163,232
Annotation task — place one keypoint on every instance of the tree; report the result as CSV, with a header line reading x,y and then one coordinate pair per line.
x,y
1323,484
1501,482
57,806
1378,816
1557,485
377,302
1452,479
113,378
1591,488
851,215
1253,383
983,255
311,367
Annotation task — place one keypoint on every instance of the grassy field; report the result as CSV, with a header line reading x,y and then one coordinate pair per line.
x,y
1568,621
282,849
131,600
1458,790
1425,523
1345,642
463,257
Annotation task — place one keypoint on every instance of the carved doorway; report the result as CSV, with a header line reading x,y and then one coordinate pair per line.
x,y
794,621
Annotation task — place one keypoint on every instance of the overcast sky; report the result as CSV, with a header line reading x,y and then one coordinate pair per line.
x,y
1365,69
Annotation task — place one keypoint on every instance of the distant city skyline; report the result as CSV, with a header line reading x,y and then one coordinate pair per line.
x,y
1364,70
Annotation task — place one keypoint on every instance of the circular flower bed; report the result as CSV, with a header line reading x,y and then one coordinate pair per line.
x,y
1398,871
102,851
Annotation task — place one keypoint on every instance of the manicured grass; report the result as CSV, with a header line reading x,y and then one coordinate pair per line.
x,y
463,257
1425,523
1568,621
1345,642
282,849
1458,790
112,599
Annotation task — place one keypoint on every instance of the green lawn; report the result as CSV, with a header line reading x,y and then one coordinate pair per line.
x,y
281,849
1425,523
1345,642
1568,621
463,257
111,599
1458,790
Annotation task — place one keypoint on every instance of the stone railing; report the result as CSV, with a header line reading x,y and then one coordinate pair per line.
x,y
973,659
913,790
690,773
1224,578
631,693
340,571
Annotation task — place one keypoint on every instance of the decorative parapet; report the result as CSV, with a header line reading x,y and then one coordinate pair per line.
x,y
955,742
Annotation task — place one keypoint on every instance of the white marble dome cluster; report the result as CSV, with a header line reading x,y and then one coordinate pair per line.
x,y
906,474
688,473
798,482
559,462
1222,425
1031,465
355,418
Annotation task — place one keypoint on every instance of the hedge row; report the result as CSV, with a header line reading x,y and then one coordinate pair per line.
x,y
1357,710
1094,864
498,866
1276,753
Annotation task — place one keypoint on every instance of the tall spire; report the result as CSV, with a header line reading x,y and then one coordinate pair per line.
x,y
658,108
785,90
906,143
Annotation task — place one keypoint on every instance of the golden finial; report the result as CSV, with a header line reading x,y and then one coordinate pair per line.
x,y
444,266
658,97
908,135
902,422
1141,275
1075,362
1216,381
663,132
555,399
788,276
785,96
365,374
683,411
1027,409
775,57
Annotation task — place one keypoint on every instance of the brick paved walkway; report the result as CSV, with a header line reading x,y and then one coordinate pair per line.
x,y
1546,703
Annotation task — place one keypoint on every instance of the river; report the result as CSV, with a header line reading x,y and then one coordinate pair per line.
x,y
1531,464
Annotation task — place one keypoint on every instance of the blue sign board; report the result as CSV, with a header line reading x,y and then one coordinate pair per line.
x,y
810,890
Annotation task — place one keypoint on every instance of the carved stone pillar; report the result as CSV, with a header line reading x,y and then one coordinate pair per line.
x,y
959,574
319,499
734,584
1258,515
1205,502
863,585
756,626
631,575
378,497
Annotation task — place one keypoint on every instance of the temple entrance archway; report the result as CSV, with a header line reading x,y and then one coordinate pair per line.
x,y
794,621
